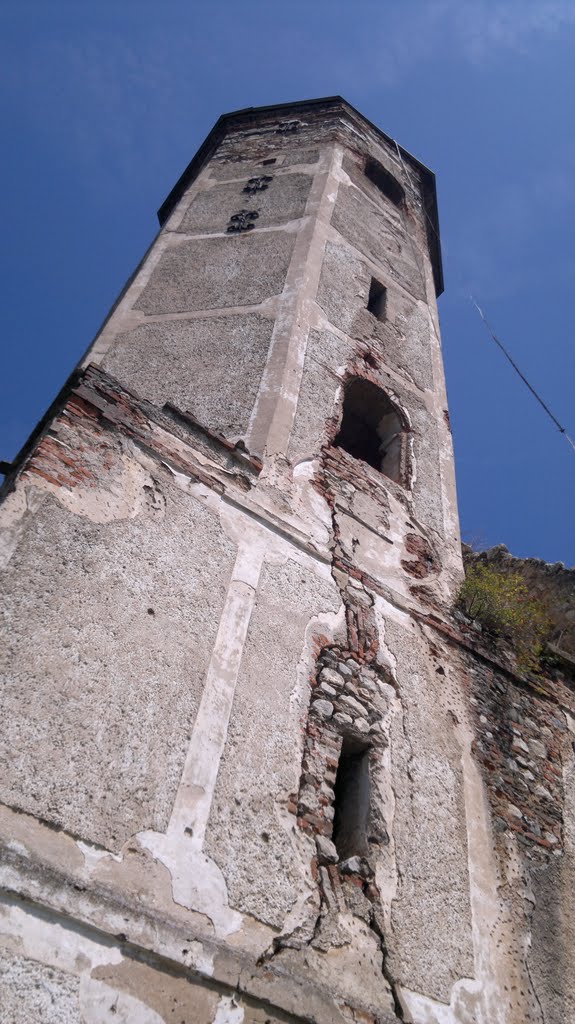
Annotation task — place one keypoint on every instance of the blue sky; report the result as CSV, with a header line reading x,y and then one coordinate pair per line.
x,y
103,104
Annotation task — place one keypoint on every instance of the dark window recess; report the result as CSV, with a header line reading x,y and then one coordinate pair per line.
x,y
384,181
351,804
371,429
377,299
270,160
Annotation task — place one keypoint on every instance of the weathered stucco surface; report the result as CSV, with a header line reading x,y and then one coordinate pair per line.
x,y
378,232
325,354
553,919
32,991
401,339
262,864
214,273
432,896
210,367
110,627
254,769
240,170
283,199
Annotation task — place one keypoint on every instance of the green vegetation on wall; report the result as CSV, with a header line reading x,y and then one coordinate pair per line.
x,y
502,604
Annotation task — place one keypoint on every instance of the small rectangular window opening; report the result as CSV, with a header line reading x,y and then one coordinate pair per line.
x,y
377,300
351,804
384,181
270,160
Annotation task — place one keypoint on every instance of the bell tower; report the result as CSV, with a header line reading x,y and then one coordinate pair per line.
x,y
236,780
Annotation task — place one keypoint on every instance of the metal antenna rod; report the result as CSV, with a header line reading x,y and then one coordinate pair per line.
x,y
500,345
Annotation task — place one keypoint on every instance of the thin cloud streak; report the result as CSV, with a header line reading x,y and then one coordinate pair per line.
x,y
476,32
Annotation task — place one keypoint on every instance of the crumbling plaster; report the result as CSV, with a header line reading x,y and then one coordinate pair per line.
x,y
429,828
284,381
212,900
401,340
197,589
59,971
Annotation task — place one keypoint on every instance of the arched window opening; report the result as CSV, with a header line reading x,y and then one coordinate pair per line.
x,y
384,181
371,428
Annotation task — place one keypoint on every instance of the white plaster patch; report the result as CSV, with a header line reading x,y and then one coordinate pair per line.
x,y
422,1010
495,954
122,497
309,504
17,847
386,874
228,1011
51,942
385,610
464,1006
93,855
197,882
197,958
461,1010
102,1004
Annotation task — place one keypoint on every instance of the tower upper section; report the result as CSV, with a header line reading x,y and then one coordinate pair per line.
x,y
288,304
315,122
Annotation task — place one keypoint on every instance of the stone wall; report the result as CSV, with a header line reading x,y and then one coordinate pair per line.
x,y
254,768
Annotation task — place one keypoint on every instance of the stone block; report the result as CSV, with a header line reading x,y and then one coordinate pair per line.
x,y
331,677
342,719
323,708
329,691
536,748
352,704
326,850
351,866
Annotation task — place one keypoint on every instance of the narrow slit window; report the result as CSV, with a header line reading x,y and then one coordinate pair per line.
x,y
352,801
384,181
270,160
372,430
377,299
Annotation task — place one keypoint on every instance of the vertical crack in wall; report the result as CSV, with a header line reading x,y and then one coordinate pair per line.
x,y
350,704
533,988
350,700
